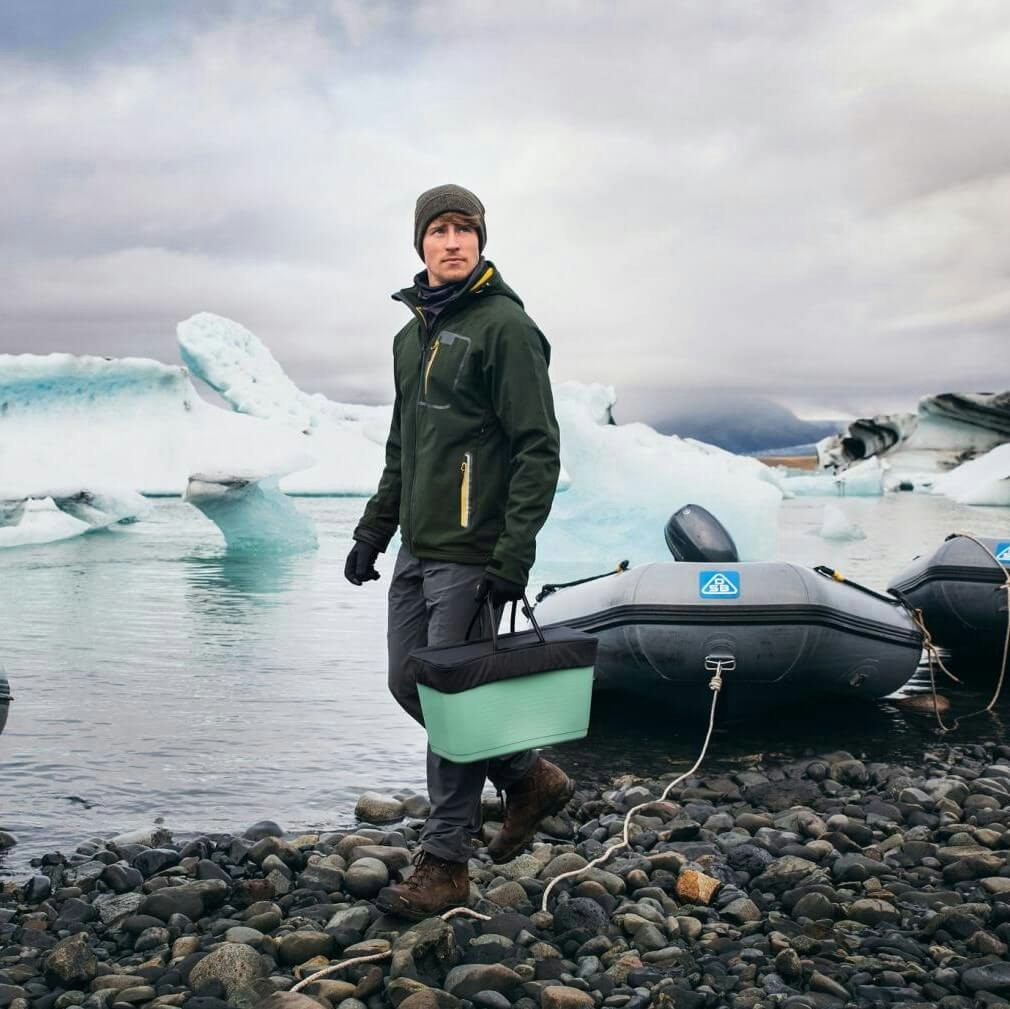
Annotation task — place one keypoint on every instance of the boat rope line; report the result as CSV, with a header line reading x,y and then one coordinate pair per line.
x,y
717,665
548,590
374,957
714,665
1005,587
933,653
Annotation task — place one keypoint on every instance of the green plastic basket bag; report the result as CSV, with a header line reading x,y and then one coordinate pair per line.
x,y
508,693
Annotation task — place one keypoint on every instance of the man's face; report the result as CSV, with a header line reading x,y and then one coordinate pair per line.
x,y
450,251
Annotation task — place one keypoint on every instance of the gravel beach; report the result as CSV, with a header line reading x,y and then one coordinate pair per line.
x,y
821,882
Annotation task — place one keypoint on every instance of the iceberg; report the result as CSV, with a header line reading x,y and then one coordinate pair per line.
x,y
100,509
12,511
865,479
946,431
64,514
96,422
619,483
92,422
254,516
627,479
836,525
982,481
347,441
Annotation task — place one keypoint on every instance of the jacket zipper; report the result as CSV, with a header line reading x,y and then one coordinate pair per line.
x,y
431,361
427,338
413,447
466,490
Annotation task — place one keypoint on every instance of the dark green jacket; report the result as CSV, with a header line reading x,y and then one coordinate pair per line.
x,y
472,455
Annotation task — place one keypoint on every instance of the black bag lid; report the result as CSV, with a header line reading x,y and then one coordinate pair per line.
x,y
451,669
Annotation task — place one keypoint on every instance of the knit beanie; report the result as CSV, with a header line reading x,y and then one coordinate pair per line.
x,y
441,200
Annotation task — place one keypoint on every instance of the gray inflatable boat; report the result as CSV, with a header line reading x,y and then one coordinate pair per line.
x,y
781,632
959,588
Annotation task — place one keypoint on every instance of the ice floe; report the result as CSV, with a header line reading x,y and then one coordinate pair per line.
x,y
254,516
836,525
982,481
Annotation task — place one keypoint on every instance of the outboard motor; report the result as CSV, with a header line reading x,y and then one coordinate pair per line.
x,y
695,534
5,699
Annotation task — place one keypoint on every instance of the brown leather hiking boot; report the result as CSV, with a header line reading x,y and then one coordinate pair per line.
x,y
434,886
543,791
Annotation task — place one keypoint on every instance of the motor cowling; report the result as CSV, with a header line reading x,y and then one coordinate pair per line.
x,y
694,534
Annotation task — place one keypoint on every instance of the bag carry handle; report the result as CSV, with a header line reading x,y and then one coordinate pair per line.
x,y
527,611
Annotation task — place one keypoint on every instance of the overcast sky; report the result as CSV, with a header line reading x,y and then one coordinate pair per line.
x,y
809,201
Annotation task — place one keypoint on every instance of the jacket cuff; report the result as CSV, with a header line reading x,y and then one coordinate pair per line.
x,y
512,571
372,538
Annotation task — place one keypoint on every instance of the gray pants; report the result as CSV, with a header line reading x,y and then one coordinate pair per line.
x,y
431,603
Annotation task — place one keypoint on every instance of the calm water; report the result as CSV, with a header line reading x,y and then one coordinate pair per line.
x,y
156,677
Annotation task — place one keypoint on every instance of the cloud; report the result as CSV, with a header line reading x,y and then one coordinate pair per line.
x,y
809,203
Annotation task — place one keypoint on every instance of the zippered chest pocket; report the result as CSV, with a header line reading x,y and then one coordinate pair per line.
x,y
443,369
466,495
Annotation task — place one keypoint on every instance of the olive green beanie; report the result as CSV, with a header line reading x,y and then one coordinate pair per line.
x,y
441,200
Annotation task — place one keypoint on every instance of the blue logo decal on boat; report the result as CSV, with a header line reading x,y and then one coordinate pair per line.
x,y
1002,552
719,584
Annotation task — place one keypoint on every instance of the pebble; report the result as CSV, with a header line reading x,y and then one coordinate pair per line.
x,y
236,967
366,877
695,887
372,807
818,883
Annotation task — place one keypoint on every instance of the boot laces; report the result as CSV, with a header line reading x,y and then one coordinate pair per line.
x,y
426,867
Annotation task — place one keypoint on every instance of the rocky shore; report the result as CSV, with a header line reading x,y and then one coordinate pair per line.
x,y
818,883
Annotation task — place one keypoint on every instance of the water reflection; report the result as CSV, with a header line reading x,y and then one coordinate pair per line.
x,y
262,577
157,675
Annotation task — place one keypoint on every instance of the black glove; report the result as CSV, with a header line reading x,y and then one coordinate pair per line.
x,y
360,564
499,590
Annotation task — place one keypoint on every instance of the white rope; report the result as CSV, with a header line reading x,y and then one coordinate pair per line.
x,y
932,652
333,968
715,685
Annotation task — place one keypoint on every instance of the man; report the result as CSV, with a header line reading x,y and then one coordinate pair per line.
x,y
471,468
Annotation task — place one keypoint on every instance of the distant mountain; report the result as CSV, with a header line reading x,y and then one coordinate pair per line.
x,y
740,423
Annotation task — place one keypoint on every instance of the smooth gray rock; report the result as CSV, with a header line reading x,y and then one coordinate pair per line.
x,y
154,860
243,934
740,911
787,872
190,899
814,906
366,877
263,828
468,979
357,918
37,889
236,966
297,947
872,912
990,977
373,807
393,858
